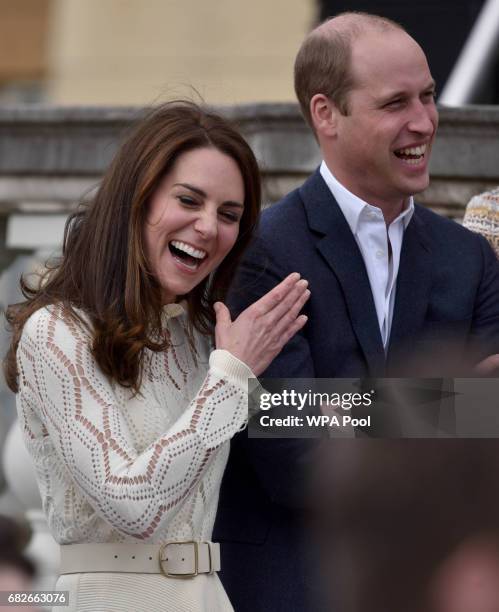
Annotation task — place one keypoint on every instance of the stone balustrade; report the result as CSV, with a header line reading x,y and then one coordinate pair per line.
x,y
50,157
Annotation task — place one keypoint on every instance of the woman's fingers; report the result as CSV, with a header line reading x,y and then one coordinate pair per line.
x,y
222,313
223,322
261,331
288,304
275,296
276,312
288,318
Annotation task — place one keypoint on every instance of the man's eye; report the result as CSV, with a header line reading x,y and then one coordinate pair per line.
x,y
430,95
394,103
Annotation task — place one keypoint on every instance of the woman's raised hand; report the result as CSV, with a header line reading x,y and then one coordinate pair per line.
x,y
259,332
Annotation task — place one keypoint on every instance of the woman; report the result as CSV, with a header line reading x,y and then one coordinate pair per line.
x,y
126,410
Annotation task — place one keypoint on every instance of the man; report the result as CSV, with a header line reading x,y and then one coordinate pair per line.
x,y
394,286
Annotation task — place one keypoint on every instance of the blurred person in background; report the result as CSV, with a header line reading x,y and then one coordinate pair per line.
x,y
16,570
131,377
482,216
409,525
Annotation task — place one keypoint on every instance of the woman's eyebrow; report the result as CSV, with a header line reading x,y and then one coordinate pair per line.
x,y
203,194
192,188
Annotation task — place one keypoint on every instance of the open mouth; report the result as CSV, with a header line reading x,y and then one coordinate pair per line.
x,y
413,155
186,254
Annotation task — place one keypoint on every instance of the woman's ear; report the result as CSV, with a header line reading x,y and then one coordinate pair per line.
x,y
324,115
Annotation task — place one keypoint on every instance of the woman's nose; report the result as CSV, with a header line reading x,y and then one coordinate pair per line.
x,y
207,224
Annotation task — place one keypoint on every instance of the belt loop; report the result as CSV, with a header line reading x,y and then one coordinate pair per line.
x,y
210,557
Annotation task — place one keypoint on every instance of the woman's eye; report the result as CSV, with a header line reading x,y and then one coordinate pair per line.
x,y
187,200
229,216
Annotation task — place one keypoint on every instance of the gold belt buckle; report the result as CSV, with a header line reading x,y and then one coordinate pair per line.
x,y
162,561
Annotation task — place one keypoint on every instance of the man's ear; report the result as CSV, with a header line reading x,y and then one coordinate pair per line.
x,y
324,115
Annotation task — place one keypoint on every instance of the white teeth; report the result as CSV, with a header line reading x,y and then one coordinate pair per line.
x,y
187,248
421,150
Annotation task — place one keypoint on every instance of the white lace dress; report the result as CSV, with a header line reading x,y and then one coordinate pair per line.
x,y
112,467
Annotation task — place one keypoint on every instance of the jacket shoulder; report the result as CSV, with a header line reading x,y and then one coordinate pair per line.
x,y
289,206
442,226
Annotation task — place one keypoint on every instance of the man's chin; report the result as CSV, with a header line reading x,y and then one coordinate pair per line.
x,y
416,185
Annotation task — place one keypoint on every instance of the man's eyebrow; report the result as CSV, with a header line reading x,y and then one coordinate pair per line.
x,y
203,194
384,98
403,93
430,86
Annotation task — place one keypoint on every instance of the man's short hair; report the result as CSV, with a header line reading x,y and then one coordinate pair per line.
x,y
323,63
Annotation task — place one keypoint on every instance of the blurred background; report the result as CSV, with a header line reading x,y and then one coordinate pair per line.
x,y
136,52
117,52
75,73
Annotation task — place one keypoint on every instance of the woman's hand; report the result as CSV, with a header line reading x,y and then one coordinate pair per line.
x,y
259,332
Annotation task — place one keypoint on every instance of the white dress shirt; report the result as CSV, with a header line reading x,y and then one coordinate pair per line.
x,y
380,246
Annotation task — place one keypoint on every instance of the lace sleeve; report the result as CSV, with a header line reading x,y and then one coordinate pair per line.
x,y
77,410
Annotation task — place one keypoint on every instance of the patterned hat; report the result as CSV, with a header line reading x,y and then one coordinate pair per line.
x,y
482,216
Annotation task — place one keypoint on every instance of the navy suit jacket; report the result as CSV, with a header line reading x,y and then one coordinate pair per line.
x,y
447,296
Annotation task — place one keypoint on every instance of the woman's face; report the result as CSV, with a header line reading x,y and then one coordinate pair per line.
x,y
193,219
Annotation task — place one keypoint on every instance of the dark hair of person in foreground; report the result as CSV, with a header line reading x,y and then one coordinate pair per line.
x,y
13,539
410,525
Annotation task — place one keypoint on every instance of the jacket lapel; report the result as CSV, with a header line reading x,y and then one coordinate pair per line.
x,y
338,247
413,285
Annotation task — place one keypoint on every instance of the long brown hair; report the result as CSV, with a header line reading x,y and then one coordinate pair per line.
x,y
103,270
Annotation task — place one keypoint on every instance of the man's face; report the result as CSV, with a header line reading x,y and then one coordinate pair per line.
x,y
382,147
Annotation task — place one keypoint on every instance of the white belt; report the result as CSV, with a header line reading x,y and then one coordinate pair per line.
x,y
173,559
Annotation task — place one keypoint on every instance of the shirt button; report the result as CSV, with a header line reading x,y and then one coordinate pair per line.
x,y
380,254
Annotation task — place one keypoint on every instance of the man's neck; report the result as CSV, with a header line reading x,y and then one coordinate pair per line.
x,y
391,209
391,212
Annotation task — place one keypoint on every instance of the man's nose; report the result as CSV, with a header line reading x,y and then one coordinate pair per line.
x,y
207,224
424,119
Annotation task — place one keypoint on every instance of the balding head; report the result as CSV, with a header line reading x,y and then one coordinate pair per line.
x,y
323,63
